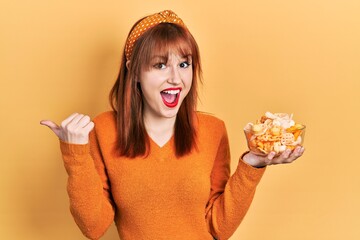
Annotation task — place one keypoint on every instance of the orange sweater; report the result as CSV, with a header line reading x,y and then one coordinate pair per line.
x,y
161,196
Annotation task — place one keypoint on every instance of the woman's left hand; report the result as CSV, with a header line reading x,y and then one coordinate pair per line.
x,y
287,156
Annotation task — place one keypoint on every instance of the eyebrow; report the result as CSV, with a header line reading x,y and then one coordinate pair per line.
x,y
165,58
158,57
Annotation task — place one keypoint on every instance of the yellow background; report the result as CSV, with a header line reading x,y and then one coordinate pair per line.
x,y
300,57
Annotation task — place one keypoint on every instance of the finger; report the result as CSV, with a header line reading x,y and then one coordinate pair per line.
x,y
271,155
268,159
85,120
294,155
73,123
283,157
297,152
302,150
49,124
68,120
89,127
76,119
53,126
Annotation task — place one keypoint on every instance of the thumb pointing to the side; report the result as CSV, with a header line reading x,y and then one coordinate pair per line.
x,y
53,126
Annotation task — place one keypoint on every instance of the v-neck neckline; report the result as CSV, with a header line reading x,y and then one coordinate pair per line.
x,y
157,146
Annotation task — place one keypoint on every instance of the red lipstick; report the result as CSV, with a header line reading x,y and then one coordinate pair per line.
x,y
170,96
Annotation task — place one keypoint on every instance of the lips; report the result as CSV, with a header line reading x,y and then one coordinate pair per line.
x,y
170,96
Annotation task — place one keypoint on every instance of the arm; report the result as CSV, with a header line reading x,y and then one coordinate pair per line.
x,y
230,197
88,187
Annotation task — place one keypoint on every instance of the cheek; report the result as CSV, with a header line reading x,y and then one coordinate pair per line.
x,y
187,78
148,82
187,84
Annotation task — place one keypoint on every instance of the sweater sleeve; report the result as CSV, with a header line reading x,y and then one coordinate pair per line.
x,y
88,187
230,196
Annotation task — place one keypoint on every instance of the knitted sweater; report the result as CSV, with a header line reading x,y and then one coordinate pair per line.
x,y
161,196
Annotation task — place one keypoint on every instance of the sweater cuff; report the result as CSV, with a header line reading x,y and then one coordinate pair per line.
x,y
253,172
75,154
74,149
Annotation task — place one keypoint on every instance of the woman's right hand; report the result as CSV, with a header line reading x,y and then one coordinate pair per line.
x,y
75,129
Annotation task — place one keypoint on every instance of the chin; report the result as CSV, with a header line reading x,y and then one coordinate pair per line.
x,y
170,113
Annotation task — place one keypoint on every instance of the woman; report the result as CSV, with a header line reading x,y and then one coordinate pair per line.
x,y
154,165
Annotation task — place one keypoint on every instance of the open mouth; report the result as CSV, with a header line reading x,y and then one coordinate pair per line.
x,y
171,96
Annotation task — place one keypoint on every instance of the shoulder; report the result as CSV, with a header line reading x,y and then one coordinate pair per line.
x,y
105,127
211,132
208,119
105,117
105,120
209,123
103,136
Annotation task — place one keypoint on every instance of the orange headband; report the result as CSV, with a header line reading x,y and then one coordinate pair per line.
x,y
167,16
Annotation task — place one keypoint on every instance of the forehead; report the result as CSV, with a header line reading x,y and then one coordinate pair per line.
x,y
178,47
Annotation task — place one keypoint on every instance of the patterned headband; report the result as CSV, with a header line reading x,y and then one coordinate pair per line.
x,y
166,16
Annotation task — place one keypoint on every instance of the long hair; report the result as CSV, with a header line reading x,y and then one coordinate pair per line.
x,y
126,98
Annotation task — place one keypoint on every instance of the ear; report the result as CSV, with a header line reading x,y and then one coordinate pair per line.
x,y
128,67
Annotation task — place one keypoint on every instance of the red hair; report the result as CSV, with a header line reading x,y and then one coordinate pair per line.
x,y
126,97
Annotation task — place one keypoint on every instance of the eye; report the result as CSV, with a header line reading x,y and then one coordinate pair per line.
x,y
160,66
184,64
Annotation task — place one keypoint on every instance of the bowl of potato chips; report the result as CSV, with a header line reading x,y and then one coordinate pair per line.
x,y
274,132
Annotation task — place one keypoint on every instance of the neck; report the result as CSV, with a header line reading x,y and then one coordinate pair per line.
x,y
159,129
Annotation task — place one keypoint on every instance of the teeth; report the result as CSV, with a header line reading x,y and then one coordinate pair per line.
x,y
171,91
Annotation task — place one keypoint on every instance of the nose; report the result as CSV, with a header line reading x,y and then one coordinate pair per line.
x,y
174,77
